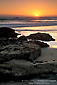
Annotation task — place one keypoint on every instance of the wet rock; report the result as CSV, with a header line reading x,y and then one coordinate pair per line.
x,y
38,61
5,41
22,38
24,51
7,32
41,36
24,69
41,44
43,76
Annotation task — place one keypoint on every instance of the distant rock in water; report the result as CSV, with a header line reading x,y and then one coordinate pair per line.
x,y
41,36
6,32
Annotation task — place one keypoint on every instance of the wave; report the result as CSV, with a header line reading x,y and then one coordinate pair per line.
x,y
15,22
27,24
32,30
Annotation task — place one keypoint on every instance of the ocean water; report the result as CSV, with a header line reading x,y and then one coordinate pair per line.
x,y
15,22
30,25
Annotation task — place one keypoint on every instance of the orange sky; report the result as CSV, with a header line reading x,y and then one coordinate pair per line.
x,y
28,7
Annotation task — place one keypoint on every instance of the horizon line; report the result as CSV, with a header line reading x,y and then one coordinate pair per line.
x,y
28,15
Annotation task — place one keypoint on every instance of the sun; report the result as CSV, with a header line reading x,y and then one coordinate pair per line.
x,y
36,15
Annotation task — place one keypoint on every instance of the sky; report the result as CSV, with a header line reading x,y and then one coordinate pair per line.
x,y
28,7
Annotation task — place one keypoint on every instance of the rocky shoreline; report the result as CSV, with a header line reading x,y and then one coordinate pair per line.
x,y
18,56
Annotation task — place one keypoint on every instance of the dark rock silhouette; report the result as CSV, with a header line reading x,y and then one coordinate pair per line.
x,y
7,32
41,36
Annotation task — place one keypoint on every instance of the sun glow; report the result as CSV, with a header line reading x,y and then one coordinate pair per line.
x,y
36,15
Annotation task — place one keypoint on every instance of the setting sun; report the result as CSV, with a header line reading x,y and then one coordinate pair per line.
x,y
33,8
36,15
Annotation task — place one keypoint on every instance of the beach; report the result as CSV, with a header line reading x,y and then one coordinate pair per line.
x,y
48,54
28,42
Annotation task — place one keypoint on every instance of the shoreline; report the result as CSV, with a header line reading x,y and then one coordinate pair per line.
x,y
49,55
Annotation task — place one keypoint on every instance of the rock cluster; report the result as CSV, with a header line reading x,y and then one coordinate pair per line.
x,y
18,56
16,59
34,38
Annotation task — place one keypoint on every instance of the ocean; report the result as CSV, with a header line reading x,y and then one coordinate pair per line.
x,y
29,25
16,22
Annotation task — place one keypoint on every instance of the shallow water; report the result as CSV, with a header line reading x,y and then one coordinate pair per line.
x,y
52,30
34,82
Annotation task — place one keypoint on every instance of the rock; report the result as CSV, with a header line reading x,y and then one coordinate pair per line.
x,y
41,44
6,41
22,69
6,32
26,51
22,38
43,76
41,36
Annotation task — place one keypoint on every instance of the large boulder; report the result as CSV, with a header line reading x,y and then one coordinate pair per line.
x,y
26,51
22,69
41,36
6,32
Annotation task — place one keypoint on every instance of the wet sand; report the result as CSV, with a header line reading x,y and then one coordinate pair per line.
x,y
49,55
